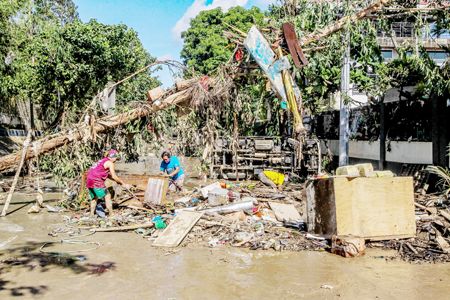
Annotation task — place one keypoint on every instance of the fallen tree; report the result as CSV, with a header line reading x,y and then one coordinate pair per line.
x,y
50,143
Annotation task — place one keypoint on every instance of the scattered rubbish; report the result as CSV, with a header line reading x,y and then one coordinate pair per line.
x,y
34,209
348,246
314,237
259,228
100,210
178,229
244,205
326,286
159,222
285,212
218,196
144,232
300,225
54,209
40,198
185,200
213,242
205,191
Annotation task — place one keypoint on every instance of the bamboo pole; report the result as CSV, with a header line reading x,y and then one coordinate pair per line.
x,y
16,177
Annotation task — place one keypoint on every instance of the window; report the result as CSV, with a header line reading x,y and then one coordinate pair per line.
x,y
387,54
437,55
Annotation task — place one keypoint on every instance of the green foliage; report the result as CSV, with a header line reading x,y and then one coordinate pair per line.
x,y
205,45
48,55
62,63
444,177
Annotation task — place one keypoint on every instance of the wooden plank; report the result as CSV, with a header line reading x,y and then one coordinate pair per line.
x,y
156,190
285,212
123,228
139,181
178,229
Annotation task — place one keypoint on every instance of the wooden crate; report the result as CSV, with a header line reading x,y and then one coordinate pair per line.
x,y
140,181
373,208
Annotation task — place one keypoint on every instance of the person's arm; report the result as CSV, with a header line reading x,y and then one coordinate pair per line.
x,y
161,170
112,174
175,172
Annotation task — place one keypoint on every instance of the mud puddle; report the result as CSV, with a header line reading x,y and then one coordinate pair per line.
x,y
125,266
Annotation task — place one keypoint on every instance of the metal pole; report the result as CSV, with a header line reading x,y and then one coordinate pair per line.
x,y
382,161
344,110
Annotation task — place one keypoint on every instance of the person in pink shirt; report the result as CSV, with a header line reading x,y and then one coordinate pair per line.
x,y
96,177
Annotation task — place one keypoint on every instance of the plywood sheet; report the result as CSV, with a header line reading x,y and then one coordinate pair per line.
x,y
373,208
156,190
178,229
379,208
285,212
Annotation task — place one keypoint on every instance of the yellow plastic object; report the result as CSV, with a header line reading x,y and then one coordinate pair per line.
x,y
276,177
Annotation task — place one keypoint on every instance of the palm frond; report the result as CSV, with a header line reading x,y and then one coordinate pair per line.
x,y
444,177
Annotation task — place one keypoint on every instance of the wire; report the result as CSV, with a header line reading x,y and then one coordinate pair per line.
x,y
73,242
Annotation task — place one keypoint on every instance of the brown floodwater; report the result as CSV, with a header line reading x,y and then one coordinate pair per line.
x,y
126,266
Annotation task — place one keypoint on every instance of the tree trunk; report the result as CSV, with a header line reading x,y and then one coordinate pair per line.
x,y
48,144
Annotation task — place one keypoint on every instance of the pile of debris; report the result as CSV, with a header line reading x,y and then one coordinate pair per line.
x,y
240,215
433,232
250,215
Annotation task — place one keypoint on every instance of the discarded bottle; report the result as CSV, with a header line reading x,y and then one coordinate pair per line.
x,y
259,228
159,222
300,225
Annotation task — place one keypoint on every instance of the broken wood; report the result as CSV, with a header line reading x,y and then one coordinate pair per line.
x,y
427,209
123,228
178,229
155,94
184,84
19,169
285,212
445,214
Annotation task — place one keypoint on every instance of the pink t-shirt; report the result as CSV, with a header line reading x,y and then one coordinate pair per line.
x,y
97,174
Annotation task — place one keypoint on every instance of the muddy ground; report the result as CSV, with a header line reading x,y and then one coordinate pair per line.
x,y
126,266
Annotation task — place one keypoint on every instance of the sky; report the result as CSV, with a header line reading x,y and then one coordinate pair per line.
x,y
159,23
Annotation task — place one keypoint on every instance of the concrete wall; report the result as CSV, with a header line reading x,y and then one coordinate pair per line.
x,y
400,152
149,165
